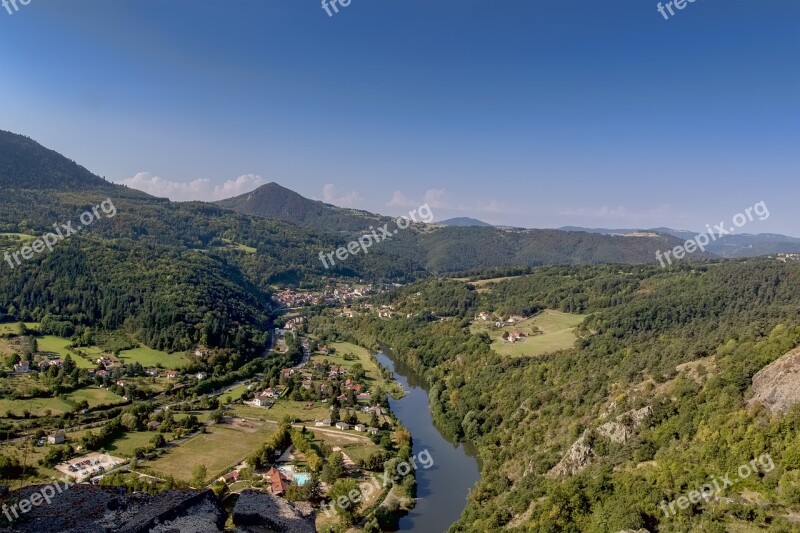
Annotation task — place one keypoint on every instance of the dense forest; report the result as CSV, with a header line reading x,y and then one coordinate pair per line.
x,y
683,343
175,274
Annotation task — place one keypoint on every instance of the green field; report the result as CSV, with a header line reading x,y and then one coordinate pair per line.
x,y
143,355
219,450
484,285
12,327
58,406
149,357
58,345
127,444
558,334
242,247
95,396
36,406
235,393
282,408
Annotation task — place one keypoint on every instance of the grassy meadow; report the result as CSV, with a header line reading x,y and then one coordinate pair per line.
x,y
221,448
557,333
95,396
149,357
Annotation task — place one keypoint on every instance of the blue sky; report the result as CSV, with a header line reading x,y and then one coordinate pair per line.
x,y
518,112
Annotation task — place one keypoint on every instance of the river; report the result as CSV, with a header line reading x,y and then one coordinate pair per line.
x,y
441,489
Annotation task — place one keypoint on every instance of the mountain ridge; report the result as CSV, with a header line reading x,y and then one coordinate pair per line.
x,y
730,246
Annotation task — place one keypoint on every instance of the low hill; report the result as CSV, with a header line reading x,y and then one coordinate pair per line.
x,y
463,221
454,249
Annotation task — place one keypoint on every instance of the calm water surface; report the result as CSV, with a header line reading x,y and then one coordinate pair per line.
x,y
441,489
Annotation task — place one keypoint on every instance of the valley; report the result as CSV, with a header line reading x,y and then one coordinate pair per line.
x,y
183,346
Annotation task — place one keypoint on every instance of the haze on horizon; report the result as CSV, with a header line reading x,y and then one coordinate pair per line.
x,y
536,115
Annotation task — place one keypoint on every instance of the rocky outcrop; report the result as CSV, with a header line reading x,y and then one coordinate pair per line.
x,y
580,455
625,425
87,508
259,512
777,386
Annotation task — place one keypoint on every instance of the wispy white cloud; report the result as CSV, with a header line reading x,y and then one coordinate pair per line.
x,y
199,189
440,199
242,184
399,199
330,196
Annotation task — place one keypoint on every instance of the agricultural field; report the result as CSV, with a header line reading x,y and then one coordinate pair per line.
x,y
35,407
485,285
221,448
282,408
59,346
13,327
95,396
547,332
149,357
238,246
128,443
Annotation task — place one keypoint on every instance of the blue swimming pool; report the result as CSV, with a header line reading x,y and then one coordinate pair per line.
x,y
301,478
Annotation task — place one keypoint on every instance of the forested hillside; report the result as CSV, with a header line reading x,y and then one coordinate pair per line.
x,y
681,345
26,164
175,274
279,203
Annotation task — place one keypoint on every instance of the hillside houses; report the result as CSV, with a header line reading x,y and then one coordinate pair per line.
x,y
512,336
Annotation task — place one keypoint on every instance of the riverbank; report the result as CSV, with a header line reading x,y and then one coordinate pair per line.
x,y
441,490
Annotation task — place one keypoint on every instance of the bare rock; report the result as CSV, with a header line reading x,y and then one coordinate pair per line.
x,y
87,508
777,386
579,456
625,425
259,512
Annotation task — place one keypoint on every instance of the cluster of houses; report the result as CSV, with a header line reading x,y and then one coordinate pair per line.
x,y
278,478
344,426
23,367
268,397
483,316
512,336
784,257
336,293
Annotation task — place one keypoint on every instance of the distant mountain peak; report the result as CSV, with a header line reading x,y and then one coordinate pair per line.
x,y
275,201
464,221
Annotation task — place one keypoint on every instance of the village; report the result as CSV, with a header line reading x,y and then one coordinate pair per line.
x,y
290,432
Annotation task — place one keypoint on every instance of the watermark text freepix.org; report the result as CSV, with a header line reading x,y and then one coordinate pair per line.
x,y
8,4
36,499
63,231
702,240
679,4
718,484
376,235
366,488
328,5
